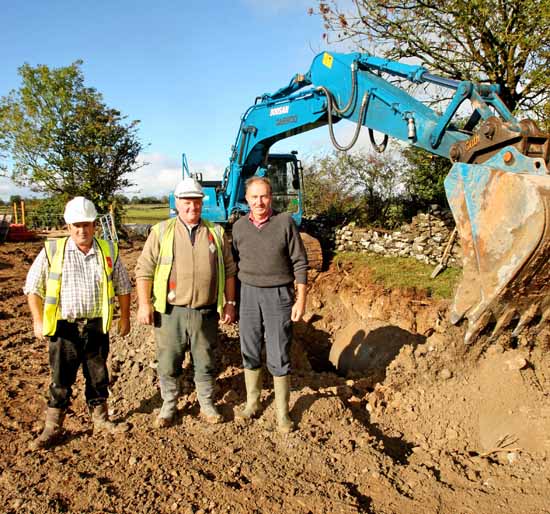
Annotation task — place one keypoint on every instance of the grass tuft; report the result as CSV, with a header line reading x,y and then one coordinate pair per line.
x,y
404,272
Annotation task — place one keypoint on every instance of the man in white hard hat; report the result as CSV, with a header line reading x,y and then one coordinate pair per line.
x,y
71,288
185,284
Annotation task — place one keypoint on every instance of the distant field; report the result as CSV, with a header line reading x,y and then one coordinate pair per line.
x,y
145,213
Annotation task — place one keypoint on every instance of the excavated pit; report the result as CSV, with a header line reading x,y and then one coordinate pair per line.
x,y
413,421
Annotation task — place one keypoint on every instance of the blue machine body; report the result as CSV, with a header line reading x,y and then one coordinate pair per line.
x,y
490,149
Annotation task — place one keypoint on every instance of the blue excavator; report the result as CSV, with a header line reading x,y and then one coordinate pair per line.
x,y
498,187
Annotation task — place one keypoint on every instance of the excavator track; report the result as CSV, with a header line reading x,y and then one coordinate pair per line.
x,y
502,213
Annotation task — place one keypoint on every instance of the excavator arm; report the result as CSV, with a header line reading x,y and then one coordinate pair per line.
x,y
498,187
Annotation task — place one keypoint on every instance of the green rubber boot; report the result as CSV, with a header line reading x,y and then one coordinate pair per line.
x,y
205,392
169,391
253,383
282,397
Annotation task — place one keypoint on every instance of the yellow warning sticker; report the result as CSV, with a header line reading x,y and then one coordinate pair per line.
x,y
327,60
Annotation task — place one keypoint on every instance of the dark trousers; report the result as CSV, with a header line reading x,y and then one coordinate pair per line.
x,y
180,329
265,313
74,344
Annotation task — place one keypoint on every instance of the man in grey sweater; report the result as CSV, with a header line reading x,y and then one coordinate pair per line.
x,y
271,257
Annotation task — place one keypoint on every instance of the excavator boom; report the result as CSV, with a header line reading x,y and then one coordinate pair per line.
x,y
498,186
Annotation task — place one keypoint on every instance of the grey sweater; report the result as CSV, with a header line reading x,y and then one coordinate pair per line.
x,y
271,256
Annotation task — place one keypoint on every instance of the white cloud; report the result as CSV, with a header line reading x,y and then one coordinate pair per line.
x,y
8,188
157,178
209,170
162,173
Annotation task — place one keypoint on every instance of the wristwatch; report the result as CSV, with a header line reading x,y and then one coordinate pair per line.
x,y
231,302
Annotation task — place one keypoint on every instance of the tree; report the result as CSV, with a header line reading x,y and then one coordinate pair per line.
x,y
63,139
324,191
121,199
506,42
376,179
424,177
360,186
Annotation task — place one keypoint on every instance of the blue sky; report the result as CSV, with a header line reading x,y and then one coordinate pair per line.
x,y
187,69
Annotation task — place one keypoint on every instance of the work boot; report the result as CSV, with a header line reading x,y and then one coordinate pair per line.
x,y
102,423
253,383
52,429
169,391
282,396
205,392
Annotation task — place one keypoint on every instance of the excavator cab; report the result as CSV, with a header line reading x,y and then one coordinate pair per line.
x,y
283,171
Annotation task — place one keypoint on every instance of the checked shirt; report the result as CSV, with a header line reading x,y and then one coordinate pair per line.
x,y
81,281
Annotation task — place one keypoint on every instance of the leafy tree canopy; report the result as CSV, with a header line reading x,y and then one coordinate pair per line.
x,y
62,139
424,175
506,42
359,186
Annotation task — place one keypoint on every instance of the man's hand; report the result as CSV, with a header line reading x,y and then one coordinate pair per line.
x,y
123,326
145,313
229,314
299,307
298,310
36,306
38,329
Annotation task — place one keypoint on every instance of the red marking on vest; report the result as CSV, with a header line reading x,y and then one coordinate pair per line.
x,y
210,237
171,285
109,262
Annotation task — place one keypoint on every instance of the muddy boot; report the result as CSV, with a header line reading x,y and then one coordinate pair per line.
x,y
253,383
208,409
52,429
102,423
169,391
282,396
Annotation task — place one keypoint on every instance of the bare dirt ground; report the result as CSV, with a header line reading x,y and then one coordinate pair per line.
x,y
420,423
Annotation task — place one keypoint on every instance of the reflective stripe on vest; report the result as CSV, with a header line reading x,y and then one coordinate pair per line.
x,y
55,252
165,231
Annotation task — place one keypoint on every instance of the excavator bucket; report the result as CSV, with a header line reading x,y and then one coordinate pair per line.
x,y
502,213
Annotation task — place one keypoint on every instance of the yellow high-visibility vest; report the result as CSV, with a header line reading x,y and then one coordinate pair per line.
x,y
165,231
55,251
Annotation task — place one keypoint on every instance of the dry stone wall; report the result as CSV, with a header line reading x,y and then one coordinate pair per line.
x,y
425,238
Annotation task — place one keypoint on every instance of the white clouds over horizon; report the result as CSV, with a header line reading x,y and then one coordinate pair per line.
x,y
161,174
8,188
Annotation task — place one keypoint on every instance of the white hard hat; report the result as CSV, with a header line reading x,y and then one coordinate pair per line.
x,y
189,187
79,209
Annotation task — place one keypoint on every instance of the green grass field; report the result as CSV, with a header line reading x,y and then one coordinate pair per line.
x,y
405,272
145,213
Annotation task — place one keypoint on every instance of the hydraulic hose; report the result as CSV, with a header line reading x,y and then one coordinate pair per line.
x,y
330,105
379,148
342,110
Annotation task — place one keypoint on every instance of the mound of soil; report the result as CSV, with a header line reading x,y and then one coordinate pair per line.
x,y
413,421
